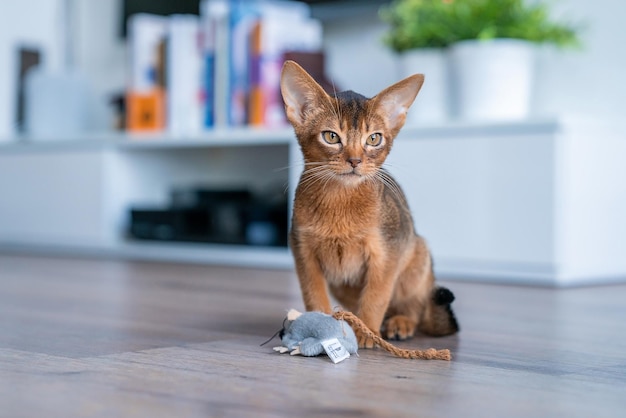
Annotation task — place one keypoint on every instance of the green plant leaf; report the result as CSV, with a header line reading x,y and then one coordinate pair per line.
x,y
439,23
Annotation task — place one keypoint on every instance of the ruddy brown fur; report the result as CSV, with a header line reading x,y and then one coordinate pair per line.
x,y
352,232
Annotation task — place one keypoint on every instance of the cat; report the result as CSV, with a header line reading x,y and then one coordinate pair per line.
x,y
352,233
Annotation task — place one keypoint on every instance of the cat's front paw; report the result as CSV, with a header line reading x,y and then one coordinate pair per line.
x,y
399,327
366,339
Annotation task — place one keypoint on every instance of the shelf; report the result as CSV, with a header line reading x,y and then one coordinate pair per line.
x,y
88,183
177,252
246,137
485,214
239,255
465,129
218,138
240,137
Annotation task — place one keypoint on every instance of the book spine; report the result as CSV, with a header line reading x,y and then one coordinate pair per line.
x,y
256,102
208,29
209,90
183,74
275,37
216,24
280,30
145,93
242,19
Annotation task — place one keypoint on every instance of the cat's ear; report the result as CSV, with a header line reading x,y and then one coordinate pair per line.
x,y
300,91
395,100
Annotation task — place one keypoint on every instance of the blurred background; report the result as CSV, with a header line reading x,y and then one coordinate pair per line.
x,y
154,129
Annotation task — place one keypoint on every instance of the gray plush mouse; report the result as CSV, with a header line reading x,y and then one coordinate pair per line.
x,y
304,333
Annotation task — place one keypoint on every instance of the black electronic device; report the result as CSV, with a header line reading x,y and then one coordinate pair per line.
x,y
213,216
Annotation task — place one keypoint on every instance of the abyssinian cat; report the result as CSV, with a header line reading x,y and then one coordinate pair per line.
x,y
352,233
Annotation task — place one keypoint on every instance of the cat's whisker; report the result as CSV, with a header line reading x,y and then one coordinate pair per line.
x,y
323,177
328,178
396,167
390,184
311,180
298,165
314,170
276,170
338,111
387,180
313,176
332,106
310,166
286,188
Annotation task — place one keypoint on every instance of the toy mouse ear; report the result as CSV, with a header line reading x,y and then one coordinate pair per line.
x,y
292,315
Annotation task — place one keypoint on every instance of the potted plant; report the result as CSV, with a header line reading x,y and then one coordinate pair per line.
x,y
490,45
419,33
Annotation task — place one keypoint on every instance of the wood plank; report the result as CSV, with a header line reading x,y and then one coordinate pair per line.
x,y
81,337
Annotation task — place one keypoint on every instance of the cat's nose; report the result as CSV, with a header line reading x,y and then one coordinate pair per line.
x,y
354,162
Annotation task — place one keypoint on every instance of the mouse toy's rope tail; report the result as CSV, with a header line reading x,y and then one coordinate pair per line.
x,y
357,324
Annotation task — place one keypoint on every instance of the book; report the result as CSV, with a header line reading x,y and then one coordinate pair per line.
x,y
243,46
282,26
145,93
185,98
243,16
216,51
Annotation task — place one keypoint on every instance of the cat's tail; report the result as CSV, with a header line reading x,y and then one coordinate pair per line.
x,y
438,318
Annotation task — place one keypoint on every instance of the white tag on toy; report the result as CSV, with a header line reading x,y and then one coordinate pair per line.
x,y
335,350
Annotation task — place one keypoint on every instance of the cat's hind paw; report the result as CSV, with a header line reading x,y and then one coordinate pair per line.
x,y
399,327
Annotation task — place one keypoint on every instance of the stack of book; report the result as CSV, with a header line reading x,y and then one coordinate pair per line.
x,y
220,69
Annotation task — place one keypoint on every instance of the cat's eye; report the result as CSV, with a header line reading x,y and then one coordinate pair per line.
x,y
374,140
330,137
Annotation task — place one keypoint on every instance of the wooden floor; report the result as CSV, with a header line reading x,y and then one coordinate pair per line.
x,y
95,338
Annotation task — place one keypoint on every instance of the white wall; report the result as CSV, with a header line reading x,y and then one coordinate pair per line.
x,y
588,83
356,59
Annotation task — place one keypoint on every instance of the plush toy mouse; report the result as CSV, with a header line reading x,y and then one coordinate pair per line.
x,y
304,333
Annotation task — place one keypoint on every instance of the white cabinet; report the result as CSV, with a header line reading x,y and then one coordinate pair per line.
x,y
73,196
54,197
484,199
539,202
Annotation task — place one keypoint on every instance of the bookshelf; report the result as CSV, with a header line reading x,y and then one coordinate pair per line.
x,y
496,201
83,188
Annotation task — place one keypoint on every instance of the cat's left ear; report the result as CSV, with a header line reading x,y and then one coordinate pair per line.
x,y
300,91
396,99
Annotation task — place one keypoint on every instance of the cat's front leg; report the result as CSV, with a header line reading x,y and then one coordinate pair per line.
x,y
374,301
312,282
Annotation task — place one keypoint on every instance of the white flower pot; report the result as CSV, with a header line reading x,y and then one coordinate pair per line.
x,y
431,105
492,80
